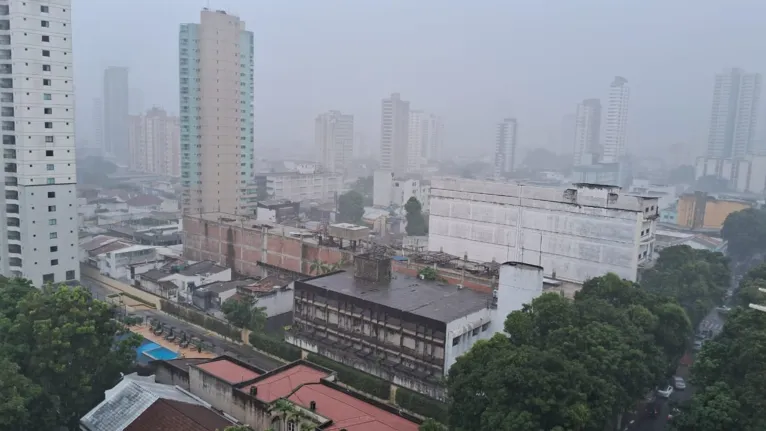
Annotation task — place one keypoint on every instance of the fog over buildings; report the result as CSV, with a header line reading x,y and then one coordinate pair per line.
x,y
312,57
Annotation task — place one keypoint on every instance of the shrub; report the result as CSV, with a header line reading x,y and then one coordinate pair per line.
x,y
354,378
201,319
421,404
275,346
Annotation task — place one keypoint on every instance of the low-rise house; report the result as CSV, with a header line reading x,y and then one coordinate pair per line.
x,y
255,397
114,256
177,282
145,202
140,404
210,297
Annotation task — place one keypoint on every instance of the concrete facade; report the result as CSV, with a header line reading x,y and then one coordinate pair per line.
x,y
505,147
702,211
334,140
394,134
747,174
217,124
616,130
575,233
40,221
734,114
299,187
587,129
154,144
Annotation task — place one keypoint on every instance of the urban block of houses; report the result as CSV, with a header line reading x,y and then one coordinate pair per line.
x,y
251,395
273,293
177,281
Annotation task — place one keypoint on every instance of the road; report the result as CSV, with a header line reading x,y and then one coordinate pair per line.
x,y
219,344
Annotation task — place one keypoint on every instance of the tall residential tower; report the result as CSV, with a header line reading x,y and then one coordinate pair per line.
x,y
587,130
616,133
116,113
334,139
736,96
216,94
505,147
39,230
394,134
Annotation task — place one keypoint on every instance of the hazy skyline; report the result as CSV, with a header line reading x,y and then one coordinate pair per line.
x,y
472,63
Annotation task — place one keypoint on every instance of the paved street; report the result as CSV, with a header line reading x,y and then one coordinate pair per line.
x,y
220,345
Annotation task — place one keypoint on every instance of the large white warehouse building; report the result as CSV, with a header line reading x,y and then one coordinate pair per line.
x,y
574,233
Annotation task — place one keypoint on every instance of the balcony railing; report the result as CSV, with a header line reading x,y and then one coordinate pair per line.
x,y
11,181
14,235
13,222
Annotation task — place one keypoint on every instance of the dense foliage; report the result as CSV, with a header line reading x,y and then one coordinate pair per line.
x,y
364,186
697,279
569,365
745,232
748,291
245,313
730,374
416,222
59,352
350,207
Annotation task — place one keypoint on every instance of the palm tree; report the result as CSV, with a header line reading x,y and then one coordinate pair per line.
x,y
317,267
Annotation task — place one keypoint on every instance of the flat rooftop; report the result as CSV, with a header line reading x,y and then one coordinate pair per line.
x,y
434,300
251,223
228,371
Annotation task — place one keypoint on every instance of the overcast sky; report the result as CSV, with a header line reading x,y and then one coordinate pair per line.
x,y
473,62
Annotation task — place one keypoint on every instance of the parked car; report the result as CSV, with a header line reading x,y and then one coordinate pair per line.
x,y
679,383
665,392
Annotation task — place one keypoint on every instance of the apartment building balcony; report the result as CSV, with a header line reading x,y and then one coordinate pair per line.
x,y
13,222
11,182
14,235
11,195
11,209
14,249
8,126
11,168
9,153
6,97
15,262
6,111
6,69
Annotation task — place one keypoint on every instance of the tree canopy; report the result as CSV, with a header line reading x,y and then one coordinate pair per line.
x,y
697,279
59,351
745,232
350,207
245,313
569,365
730,374
416,222
364,186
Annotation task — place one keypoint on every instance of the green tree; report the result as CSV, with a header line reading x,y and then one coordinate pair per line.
x,y
697,279
745,232
238,428
350,207
245,313
416,222
569,365
364,186
59,353
431,425
714,409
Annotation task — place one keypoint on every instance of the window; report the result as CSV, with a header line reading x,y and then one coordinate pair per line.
x,y
48,111
53,235
46,38
50,181
484,327
49,139
51,194
54,262
475,331
48,278
46,67
49,153
54,248
44,23
51,208
47,82
52,222
48,124
49,167
46,53
456,341
46,96
291,426
70,275
44,9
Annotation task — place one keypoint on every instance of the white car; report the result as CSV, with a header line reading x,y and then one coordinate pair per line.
x,y
665,393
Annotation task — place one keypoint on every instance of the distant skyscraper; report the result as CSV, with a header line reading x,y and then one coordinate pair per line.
x,y
417,139
394,134
587,129
98,124
216,80
154,143
734,116
116,112
435,142
616,133
334,138
38,221
505,147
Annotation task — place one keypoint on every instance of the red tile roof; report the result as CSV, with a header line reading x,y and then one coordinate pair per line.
x,y
170,415
228,371
345,411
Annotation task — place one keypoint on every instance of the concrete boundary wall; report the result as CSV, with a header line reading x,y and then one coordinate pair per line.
x,y
122,287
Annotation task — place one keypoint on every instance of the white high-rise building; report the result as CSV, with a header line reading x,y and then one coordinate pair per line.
x,y
587,129
616,133
505,147
394,134
334,138
40,226
733,120
417,140
155,143
98,124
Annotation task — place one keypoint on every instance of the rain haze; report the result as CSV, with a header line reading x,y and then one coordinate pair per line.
x,y
471,62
